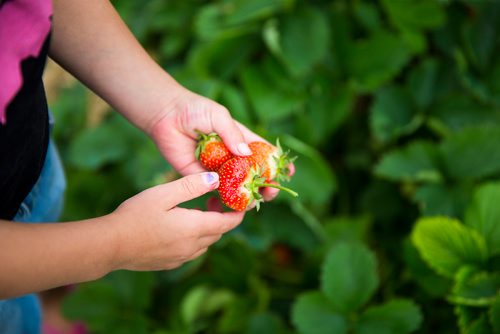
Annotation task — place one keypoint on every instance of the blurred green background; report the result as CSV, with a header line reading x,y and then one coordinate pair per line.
x,y
393,108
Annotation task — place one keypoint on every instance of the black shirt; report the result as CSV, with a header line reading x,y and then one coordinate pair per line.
x,y
24,138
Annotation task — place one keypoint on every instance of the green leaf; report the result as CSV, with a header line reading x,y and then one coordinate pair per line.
x,y
101,304
134,289
270,102
472,153
349,276
223,20
93,302
324,114
203,301
234,100
484,215
422,82
376,60
456,112
93,148
221,58
442,199
347,229
476,289
393,114
467,315
480,36
265,323
479,326
415,162
235,317
447,245
414,15
305,38
394,317
312,173
242,11
433,284
367,14
147,166
313,314
493,313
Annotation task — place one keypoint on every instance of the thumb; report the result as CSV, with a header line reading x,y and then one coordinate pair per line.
x,y
231,135
189,187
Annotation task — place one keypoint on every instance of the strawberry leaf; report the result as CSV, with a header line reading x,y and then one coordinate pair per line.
x,y
484,215
447,245
313,314
394,317
349,276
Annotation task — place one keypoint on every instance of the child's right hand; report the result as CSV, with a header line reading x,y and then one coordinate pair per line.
x,y
154,234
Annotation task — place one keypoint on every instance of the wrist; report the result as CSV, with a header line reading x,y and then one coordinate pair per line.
x,y
114,227
170,100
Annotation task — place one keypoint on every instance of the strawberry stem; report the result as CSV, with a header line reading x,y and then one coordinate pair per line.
x,y
277,186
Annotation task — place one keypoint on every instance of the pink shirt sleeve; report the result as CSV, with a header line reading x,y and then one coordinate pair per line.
x,y
24,26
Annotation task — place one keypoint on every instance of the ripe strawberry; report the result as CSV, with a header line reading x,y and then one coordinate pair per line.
x,y
239,182
211,151
273,161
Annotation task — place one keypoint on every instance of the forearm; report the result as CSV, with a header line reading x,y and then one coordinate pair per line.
x,y
35,257
92,42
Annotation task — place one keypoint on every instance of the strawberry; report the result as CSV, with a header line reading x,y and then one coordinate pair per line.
x,y
273,161
211,151
239,182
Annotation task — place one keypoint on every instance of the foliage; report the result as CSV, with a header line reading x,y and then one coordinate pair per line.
x,y
393,108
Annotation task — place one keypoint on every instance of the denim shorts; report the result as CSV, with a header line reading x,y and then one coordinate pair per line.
x,y
23,315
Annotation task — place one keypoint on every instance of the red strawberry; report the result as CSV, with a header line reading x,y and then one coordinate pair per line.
x,y
211,151
239,183
273,161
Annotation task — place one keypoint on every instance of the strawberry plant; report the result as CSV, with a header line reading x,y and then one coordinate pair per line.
x,y
393,108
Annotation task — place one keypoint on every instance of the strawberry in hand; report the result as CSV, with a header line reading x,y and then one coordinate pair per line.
x,y
275,163
211,151
240,179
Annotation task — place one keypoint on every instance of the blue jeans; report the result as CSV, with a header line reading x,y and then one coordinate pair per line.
x,y
23,315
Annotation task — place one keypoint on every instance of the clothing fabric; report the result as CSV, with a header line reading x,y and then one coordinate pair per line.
x,y
31,175
24,32
24,26
23,315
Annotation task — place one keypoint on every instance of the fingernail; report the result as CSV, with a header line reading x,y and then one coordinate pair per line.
x,y
211,179
244,149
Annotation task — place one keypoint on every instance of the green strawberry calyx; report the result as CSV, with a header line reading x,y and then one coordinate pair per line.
x,y
282,161
257,182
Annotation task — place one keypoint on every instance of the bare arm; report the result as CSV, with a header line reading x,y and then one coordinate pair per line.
x,y
146,232
92,42
35,257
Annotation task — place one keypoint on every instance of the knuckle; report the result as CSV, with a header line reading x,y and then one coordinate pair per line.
x,y
189,187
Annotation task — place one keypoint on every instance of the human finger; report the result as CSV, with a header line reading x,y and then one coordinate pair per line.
x,y
197,254
188,187
214,204
249,135
223,124
269,193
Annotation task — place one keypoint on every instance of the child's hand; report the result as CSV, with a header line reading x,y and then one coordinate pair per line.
x,y
175,133
155,234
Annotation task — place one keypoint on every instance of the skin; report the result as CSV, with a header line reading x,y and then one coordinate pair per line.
x,y
148,231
